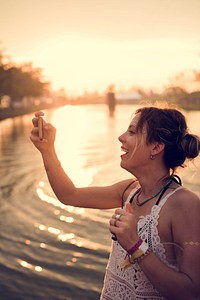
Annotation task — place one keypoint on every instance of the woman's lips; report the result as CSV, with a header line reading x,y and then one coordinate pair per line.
x,y
124,150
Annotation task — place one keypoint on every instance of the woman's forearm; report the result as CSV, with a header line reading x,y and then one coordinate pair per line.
x,y
58,179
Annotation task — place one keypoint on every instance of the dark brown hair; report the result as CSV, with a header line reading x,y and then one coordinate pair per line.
x,y
169,126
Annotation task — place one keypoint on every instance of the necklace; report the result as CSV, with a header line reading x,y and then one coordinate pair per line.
x,y
139,191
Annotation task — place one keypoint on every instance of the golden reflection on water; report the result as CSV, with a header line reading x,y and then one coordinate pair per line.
x,y
68,237
73,133
78,254
59,233
43,245
67,219
27,265
57,203
53,230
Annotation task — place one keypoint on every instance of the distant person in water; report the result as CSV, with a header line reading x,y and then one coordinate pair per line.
x,y
156,225
110,98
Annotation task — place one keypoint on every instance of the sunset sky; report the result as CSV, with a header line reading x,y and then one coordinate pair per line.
x,y
89,44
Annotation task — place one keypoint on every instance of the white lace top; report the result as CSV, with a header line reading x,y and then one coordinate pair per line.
x,y
131,283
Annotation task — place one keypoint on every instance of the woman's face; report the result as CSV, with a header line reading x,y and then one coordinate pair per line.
x,y
136,152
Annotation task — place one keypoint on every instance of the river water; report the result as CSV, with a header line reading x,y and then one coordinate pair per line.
x,y
48,250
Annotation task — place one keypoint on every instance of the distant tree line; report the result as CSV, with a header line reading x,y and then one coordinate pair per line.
x,y
183,89
18,81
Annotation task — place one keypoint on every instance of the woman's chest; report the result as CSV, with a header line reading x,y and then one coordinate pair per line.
x,y
154,219
155,227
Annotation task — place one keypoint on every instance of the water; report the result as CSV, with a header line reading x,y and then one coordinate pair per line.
x,y
48,250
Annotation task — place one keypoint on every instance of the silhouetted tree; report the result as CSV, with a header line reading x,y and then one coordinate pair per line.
x,y
20,81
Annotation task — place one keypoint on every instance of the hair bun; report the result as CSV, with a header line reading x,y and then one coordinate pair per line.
x,y
191,145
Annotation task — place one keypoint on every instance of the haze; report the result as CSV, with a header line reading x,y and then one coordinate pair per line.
x,y
89,44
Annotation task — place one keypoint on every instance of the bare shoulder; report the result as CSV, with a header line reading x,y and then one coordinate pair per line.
x,y
126,185
185,212
184,200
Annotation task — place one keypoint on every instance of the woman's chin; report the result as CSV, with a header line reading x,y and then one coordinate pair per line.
x,y
123,165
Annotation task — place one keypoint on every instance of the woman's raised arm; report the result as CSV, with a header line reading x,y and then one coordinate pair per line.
x,y
63,187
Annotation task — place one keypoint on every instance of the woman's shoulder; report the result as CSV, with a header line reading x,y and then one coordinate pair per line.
x,y
128,183
184,213
185,200
186,196
127,186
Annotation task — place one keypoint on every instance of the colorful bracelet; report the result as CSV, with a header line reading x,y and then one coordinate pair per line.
x,y
142,251
135,247
143,256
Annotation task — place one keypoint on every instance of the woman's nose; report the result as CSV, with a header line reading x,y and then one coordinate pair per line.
x,y
121,138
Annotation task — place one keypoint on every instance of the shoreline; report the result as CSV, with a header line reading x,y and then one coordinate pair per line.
x,y
6,113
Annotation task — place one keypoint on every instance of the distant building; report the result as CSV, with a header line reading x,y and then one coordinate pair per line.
x,y
128,97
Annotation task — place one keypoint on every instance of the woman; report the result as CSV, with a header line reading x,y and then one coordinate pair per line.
x,y
156,232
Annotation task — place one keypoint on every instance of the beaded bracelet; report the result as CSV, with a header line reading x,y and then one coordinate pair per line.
x,y
135,247
142,251
143,255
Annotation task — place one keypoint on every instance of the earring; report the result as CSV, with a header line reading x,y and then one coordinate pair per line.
x,y
152,157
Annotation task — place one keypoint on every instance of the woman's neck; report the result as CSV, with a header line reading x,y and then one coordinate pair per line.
x,y
152,182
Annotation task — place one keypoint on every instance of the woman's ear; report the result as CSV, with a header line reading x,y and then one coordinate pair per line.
x,y
157,148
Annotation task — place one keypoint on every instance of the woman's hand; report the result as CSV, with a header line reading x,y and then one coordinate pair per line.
x,y
49,133
124,226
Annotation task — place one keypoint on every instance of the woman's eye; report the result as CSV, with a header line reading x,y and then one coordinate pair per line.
x,y
131,132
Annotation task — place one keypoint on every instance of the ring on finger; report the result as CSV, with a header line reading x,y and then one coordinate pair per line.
x,y
118,216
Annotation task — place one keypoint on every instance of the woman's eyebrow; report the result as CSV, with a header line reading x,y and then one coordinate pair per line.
x,y
132,126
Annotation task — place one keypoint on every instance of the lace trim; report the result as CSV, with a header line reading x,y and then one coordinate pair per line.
x,y
120,289
121,284
147,228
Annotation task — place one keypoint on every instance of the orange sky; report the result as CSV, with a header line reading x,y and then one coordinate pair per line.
x,y
89,44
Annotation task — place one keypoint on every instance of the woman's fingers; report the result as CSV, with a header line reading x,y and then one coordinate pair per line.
x,y
39,114
35,119
113,222
35,122
34,136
